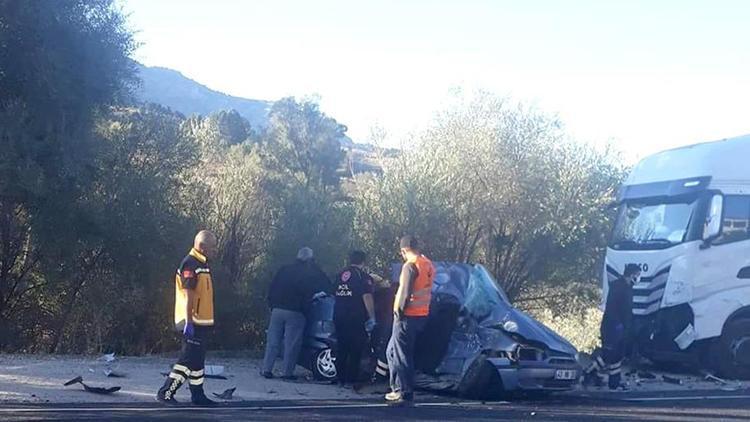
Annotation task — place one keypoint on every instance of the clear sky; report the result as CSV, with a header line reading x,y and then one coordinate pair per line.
x,y
645,75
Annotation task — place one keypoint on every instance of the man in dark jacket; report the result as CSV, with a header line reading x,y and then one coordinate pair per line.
x,y
618,314
354,316
289,295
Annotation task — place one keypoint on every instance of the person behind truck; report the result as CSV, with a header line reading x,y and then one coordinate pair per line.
x,y
291,290
354,317
411,308
193,318
615,327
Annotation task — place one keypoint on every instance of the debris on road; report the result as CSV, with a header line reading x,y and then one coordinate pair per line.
x,y
671,380
215,370
75,380
714,378
227,394
113,374
646,375
90,389
109,357
724,384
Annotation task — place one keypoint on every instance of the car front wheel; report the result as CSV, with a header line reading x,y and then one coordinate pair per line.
x,y
323,365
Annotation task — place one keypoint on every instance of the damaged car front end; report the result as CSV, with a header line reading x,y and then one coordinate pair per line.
x,y
477,345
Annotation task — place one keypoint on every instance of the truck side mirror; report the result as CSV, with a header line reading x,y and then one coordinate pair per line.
x,y
712,228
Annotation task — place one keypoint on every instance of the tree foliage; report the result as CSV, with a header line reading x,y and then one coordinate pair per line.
x,y
100,197
496,183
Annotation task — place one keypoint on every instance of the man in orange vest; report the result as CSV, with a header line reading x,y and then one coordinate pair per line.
x,y
411,308
193,317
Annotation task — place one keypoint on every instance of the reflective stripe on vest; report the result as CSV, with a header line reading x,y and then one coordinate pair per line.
x,y
418,303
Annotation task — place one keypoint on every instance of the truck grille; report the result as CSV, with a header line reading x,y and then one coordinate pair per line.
x,y
647,293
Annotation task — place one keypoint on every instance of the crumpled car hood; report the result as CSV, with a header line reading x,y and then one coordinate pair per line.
x,y
479,295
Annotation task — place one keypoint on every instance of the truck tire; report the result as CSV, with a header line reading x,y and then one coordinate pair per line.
x,y
734,342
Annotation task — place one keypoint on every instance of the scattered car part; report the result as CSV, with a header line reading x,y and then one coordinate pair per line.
x,y
714,378
214,370
671,380
646,375
90,389
108,357
75,380
113,374
226,395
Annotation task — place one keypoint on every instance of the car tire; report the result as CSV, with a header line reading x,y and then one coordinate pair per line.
x,y
481,381
322,365
735,333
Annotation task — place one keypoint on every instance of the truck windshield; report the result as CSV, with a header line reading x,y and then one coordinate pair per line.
x,y
648,225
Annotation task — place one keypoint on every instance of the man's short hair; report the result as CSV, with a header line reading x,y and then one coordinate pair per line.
x,y
357,257
409,242
631,269
305,254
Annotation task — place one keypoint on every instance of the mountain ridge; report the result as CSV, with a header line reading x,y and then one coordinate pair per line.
x,y
171,88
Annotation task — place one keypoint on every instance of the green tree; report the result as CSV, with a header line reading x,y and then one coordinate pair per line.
x,y
495,183
61,64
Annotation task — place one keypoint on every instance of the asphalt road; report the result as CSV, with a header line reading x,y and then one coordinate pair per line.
x,y
702,406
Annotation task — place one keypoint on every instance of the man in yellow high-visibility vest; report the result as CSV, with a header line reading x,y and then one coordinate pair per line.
x,y
193,317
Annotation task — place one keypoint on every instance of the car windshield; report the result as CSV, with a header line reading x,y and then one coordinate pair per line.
x,y
652,226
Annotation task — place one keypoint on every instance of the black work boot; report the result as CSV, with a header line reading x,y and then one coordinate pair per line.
x,y
614,381
198,397
592,379
168,390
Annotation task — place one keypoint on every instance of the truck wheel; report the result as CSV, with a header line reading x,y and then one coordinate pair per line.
x,y
732,350
322,365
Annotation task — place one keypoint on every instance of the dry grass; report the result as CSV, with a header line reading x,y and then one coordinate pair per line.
x,y
580,328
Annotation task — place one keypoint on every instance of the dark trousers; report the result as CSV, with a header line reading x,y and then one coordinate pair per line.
x,y
380,346
190,365
352,343
400,353
612,353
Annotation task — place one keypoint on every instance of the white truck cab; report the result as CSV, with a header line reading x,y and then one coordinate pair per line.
x,y
684,217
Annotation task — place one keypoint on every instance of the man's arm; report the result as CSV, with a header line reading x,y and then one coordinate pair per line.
x,y
369,305
190,301
189,280
405,282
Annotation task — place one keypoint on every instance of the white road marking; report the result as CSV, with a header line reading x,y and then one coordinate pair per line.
x,y
678,398
191,408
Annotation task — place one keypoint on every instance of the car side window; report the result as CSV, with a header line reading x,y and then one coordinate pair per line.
x,y
736,220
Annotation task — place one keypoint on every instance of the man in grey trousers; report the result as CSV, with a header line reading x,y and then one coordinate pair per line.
x,y
291,290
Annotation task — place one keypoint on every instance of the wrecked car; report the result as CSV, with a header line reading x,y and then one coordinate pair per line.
x,y
474,344
478,345
319,341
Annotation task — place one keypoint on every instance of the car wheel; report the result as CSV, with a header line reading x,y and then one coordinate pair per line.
x,y
731,350
481,381
323,366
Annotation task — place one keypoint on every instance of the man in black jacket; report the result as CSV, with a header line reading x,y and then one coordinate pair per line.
x,y
618,314
354,316
290,293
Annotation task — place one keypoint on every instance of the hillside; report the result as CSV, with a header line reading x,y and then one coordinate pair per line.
x,y
171,88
